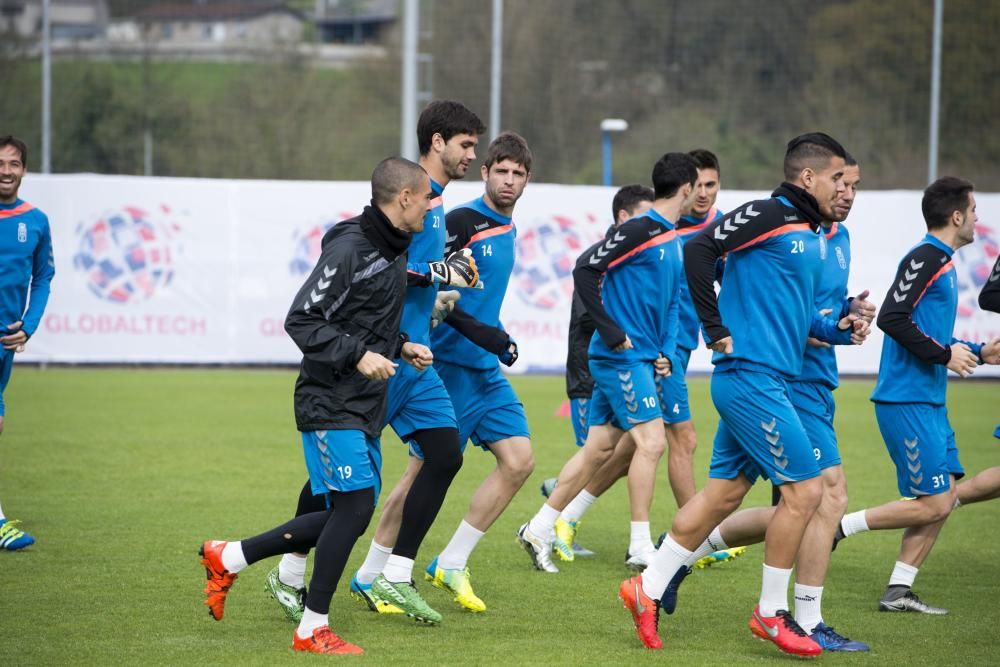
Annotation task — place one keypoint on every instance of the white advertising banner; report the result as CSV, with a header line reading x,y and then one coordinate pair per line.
x,y
164,270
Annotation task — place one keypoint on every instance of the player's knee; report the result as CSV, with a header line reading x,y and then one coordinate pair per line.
x,y
835,499
358,508
519,469
938,507
803,497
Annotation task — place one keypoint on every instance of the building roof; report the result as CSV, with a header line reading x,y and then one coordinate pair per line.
x,y
222,11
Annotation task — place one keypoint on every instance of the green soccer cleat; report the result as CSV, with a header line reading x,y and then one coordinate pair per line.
x,y
716,557
363,593
456,582
292,600
562,545
406,597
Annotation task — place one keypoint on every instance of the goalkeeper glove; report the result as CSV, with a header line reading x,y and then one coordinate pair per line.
x,y
457,270
509,355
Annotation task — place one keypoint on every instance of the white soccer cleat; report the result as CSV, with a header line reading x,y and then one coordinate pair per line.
x,y
538,548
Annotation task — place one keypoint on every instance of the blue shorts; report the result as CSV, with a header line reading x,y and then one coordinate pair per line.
x,y
673,389
760,433
625,393
418,400
579,408
814,404
922,445
6,366
486,406
342,461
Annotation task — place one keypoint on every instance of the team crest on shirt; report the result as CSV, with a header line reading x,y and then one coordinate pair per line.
x,y
22,232
840,257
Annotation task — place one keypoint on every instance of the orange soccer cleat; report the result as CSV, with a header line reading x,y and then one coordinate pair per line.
x,y
324,641
784,632
219,579
645,612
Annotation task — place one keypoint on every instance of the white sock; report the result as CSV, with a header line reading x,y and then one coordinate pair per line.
x,y
374,563
2,517
292,570
668,559
232,557
774,590
808,606
543,523
578,506
903,575
854,523
958,503
310,621
456,555
398,570
640,540
711,545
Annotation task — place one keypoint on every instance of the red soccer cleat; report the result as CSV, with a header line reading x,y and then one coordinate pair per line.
x,y
784,632
219,579
645,612
324,641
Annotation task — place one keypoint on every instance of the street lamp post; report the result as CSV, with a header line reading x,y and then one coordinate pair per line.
x,y
609,125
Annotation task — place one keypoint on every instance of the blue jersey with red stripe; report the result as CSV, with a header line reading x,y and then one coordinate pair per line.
x,y
775,253
630,285
689,326
918,317
490,236
819,364
426,246
26,265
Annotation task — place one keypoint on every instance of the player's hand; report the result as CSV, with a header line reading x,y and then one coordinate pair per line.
x,y
862,307
376,367
624,345
457,270
963,360
722,346
14,341
862,329
990,352
417,355
509,355
662,366
444,303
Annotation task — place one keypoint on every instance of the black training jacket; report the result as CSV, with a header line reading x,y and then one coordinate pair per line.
x,y
352,302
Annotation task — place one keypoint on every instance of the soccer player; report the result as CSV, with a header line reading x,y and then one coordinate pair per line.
x,y
629,202
487,409
758,349
630,284
26,270
345,319
919,310
419,409
811,394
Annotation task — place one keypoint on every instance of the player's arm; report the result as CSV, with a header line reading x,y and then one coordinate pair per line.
x,y
916,273
989,298
311,323
491,339
43,268
589,272
735,231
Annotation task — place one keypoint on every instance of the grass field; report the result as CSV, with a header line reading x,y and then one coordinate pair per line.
x,y
122,473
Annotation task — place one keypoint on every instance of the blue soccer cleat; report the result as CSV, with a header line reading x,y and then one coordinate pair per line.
x,y
829,640
13,539
669,601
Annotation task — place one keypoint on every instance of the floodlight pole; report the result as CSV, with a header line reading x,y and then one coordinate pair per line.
x,y
609,125
935,120
495,68
46,89
408,126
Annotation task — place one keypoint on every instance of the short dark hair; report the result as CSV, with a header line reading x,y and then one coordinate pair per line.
x,y
810,150
849,160
392,175
942,198
447,118
705,159
628,197
509,146
671,172
22,148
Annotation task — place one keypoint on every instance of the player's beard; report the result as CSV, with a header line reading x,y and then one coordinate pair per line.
x,y
8,190
453,169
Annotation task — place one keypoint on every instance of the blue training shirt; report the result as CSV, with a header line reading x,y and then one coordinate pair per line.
x,y
774,259
490,236
630,285
689,325
427,246
918,317
819,364
26,265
